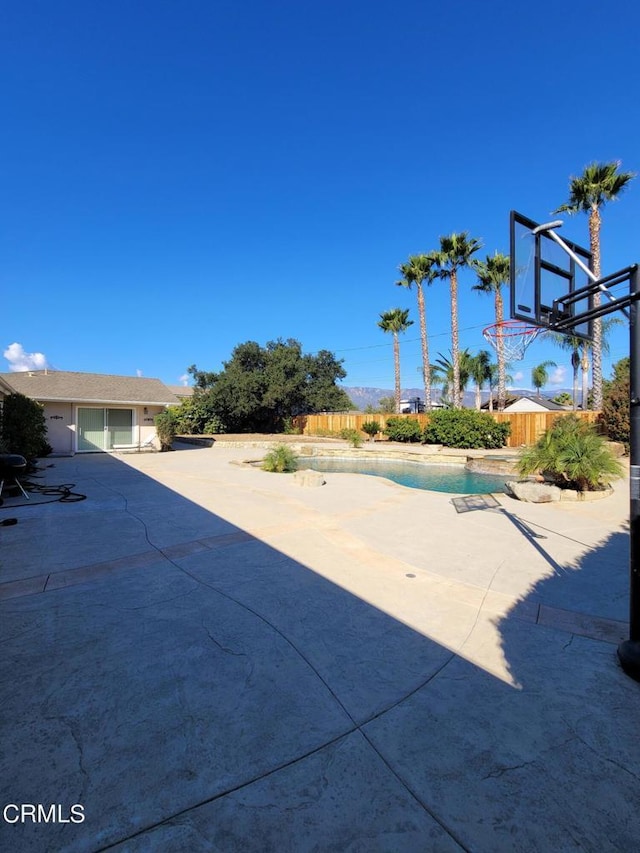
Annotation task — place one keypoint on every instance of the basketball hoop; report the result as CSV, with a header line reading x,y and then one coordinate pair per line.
x,y
512,336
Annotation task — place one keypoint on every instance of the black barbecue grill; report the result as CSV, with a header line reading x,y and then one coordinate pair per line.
x,y
12,466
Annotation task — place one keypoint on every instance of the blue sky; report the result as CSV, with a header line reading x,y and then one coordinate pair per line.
x,y
178,178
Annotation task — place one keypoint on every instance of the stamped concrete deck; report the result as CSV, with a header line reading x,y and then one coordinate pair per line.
x,y
207,657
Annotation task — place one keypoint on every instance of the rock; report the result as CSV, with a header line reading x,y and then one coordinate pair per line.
x,y
308,477
535,493
617,448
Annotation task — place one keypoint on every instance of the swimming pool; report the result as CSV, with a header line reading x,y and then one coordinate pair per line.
x,y
416,475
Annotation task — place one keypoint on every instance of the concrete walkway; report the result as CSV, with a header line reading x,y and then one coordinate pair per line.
x,y
207,657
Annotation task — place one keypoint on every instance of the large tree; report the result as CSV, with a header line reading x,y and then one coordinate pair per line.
x,y
417,270
260,388
588,192
493,273
454,254
393,322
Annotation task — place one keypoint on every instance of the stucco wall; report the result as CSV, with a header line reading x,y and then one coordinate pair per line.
x,y
60,427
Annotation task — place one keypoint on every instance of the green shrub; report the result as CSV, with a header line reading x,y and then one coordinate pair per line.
x,y
466,429
352,436
280,460
572,455
403,429
214,426
23,427
372,428
615,406
166,429
290,427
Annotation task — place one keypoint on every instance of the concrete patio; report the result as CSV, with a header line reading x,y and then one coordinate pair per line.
x,y
207,657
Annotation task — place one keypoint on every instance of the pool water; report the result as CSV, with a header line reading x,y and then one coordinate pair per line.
x,y
416,475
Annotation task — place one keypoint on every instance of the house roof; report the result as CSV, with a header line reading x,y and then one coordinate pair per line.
x,y
5,387
181,391
541,401
70,386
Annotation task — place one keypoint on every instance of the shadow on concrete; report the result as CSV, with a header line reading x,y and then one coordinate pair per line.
x,y
193,688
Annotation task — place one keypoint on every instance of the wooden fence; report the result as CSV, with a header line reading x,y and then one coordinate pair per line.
x,y
526,427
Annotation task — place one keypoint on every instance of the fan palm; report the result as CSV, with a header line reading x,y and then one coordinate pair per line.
x,y
540,375
443,371
480,370
396,321
417,270
492,274
588,192
455,254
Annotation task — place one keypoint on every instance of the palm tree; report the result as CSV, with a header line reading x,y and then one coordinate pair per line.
x,y
454,254
598,184
574,345
580,348
480,369
443,371
418,269
540,375
492,274
396,321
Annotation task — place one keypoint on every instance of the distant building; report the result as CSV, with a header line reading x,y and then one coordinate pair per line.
x,y
523,403
412,406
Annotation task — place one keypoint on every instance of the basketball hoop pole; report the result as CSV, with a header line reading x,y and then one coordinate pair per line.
x,y
629,651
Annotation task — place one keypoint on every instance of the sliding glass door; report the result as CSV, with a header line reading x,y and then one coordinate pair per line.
x,y
102,429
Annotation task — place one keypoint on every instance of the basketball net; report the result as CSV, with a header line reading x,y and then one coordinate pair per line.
x,y
512,337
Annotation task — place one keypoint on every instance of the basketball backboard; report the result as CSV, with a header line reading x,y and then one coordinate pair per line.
x,y
543,272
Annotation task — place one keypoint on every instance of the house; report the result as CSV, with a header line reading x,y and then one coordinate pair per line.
x,y
523,403
88,412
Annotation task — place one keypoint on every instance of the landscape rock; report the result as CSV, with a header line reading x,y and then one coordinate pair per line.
x,y
535,493
309,477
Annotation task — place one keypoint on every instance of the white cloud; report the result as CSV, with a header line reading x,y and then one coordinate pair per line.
x,y
19,360
558,377
184,379
138,372
518,376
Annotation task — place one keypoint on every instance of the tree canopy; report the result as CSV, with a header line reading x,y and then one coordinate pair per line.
x,y
260,388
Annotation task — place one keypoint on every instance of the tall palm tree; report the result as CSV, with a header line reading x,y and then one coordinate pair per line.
x,y
396,321
454,254
442,371
540,375
492,274
418,269
575,346
585,349
588,192
480,369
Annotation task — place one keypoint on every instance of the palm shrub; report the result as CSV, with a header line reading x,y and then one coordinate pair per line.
x,y
352,436
572,455
280,460
466,429
403,429
372,428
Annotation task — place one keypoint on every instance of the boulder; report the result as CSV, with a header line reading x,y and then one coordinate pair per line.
x,y
535,493
308,477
